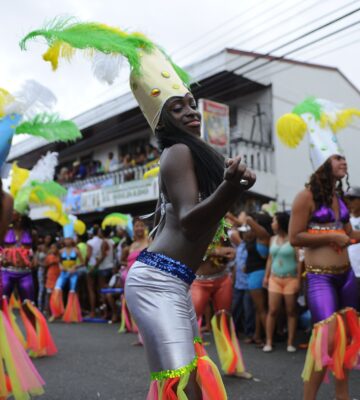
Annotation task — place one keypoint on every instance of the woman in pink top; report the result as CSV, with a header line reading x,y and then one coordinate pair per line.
x,y
141,242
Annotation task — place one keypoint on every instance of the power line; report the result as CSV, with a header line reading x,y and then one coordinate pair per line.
x,y
110,89
279,58
121,89
252,8
308,23
248,22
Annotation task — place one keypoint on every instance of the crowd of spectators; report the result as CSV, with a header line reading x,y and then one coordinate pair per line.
x,y
80,170
254,309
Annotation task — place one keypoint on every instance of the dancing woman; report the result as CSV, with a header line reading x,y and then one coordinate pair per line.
x,y
197,188
320,223
70,260
214,283
18,376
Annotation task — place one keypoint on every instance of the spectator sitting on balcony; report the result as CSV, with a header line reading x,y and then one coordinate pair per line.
x,y
95,168
79,170
151,154
128,161
63,176
111,164
140,156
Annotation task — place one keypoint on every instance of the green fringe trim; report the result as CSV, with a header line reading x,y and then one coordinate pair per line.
x,y
197,339
174,373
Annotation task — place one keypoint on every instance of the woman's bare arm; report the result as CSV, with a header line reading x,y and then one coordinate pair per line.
x,y
183,191
299,220
6,214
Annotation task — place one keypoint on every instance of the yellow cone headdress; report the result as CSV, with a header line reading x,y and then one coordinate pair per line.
x,y
154,77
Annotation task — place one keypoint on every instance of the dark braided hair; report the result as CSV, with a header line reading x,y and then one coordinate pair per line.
x,y
321,185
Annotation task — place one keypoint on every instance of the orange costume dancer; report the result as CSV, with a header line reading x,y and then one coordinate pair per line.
x,y
213,283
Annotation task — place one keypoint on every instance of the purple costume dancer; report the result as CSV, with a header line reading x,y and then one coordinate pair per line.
x,y
330,292
16,271
19,274
331,296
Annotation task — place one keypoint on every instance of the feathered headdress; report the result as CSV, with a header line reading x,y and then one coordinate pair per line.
x,y
74,226
118,219
36,186
322,119
28,112
154,76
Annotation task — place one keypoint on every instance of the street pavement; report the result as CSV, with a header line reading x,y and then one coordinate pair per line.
x,y
95,362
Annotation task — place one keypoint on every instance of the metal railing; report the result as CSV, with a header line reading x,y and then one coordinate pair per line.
x,y
117,177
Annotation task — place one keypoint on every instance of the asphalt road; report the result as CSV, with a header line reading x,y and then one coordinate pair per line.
x,y
95,362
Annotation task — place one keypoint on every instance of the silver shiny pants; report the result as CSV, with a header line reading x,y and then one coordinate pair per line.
x,y
162,308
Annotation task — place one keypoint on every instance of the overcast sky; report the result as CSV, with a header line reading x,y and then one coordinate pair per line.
x,y
188,29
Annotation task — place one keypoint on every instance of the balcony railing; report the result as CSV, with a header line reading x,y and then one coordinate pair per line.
x,y
117,177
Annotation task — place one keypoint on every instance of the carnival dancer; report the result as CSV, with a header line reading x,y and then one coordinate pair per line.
x,y
29,187
19,113
18,376
196,192
320,224
214,283
70,260
17,272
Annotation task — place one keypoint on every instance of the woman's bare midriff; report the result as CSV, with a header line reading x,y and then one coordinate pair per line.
x,y
172,242
208,268
326,257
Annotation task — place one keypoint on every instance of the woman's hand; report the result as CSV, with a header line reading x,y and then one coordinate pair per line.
x,y
340,240
266,281
238,174
242,218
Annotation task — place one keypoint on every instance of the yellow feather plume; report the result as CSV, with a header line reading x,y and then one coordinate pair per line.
x,y
57,50
79,227
342,120
5,99
18,177
291,129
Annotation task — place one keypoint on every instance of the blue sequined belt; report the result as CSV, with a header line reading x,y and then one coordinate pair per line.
x,y
167,264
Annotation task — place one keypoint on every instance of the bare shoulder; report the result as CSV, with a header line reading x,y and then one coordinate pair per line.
x,y
177,152
176,162
304,197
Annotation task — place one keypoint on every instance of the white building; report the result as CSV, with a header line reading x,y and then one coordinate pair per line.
x,y
258,88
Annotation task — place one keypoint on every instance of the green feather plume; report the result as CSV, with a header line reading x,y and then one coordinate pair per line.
x,y
50,127
309,105
93,36
50,188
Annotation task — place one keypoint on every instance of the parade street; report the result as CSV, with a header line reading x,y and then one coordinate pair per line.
x,y
97,363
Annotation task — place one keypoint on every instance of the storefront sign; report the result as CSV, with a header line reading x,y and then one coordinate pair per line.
x,y
126,193
215,125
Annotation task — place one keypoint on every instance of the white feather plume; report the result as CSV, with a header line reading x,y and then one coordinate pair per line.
x,y
44,169
106,67
31,99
